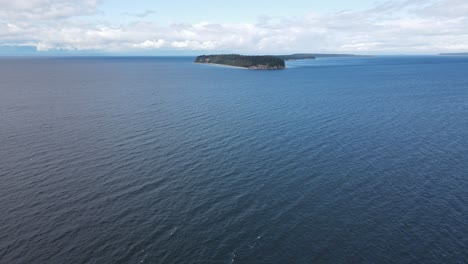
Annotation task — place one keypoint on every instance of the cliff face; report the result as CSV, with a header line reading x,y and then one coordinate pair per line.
x,y
266,67
249,62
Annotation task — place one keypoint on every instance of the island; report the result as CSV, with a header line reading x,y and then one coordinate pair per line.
x,y
268,62
248,62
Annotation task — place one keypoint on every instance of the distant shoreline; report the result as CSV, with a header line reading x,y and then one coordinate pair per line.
x,y
222,65
454,54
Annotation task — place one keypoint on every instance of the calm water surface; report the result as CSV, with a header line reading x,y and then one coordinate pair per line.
x,y
159,160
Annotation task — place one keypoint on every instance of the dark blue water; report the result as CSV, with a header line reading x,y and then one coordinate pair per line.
x,y
159,160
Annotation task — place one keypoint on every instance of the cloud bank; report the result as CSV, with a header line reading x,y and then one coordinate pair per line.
x,y
410,26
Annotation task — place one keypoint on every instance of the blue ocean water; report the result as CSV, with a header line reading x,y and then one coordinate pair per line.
x,y
160,160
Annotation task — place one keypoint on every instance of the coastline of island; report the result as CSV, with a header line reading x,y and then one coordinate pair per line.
x,y
266,62
223,65
241,61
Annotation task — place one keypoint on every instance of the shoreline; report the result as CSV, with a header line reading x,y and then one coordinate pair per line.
x,y
233,67
222,65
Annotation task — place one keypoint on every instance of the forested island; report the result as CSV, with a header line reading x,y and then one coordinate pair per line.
x,y
248,62
269,62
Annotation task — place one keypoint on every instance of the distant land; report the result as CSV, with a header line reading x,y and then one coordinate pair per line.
x,y
455,54
304,56
268,62
248,62
301,56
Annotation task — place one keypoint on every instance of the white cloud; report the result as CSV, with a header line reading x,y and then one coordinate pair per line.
x,y
46,9
448,8
391,27
150,44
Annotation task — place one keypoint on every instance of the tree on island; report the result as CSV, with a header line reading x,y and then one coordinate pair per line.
x,y
251,62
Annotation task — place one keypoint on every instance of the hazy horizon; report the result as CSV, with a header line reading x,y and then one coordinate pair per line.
x,y
31,52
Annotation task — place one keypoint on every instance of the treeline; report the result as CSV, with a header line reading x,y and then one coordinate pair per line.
x,y
242,61
303,56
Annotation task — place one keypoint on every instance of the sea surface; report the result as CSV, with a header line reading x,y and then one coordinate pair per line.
x,y
160,160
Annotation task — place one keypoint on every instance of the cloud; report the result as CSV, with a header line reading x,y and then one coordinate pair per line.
x,y
45,9
445,9
140,15
150,44
412,26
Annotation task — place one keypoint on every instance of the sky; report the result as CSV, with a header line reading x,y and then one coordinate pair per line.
x,y
248,27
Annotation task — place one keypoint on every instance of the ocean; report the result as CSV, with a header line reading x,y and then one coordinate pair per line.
x,y
160,160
